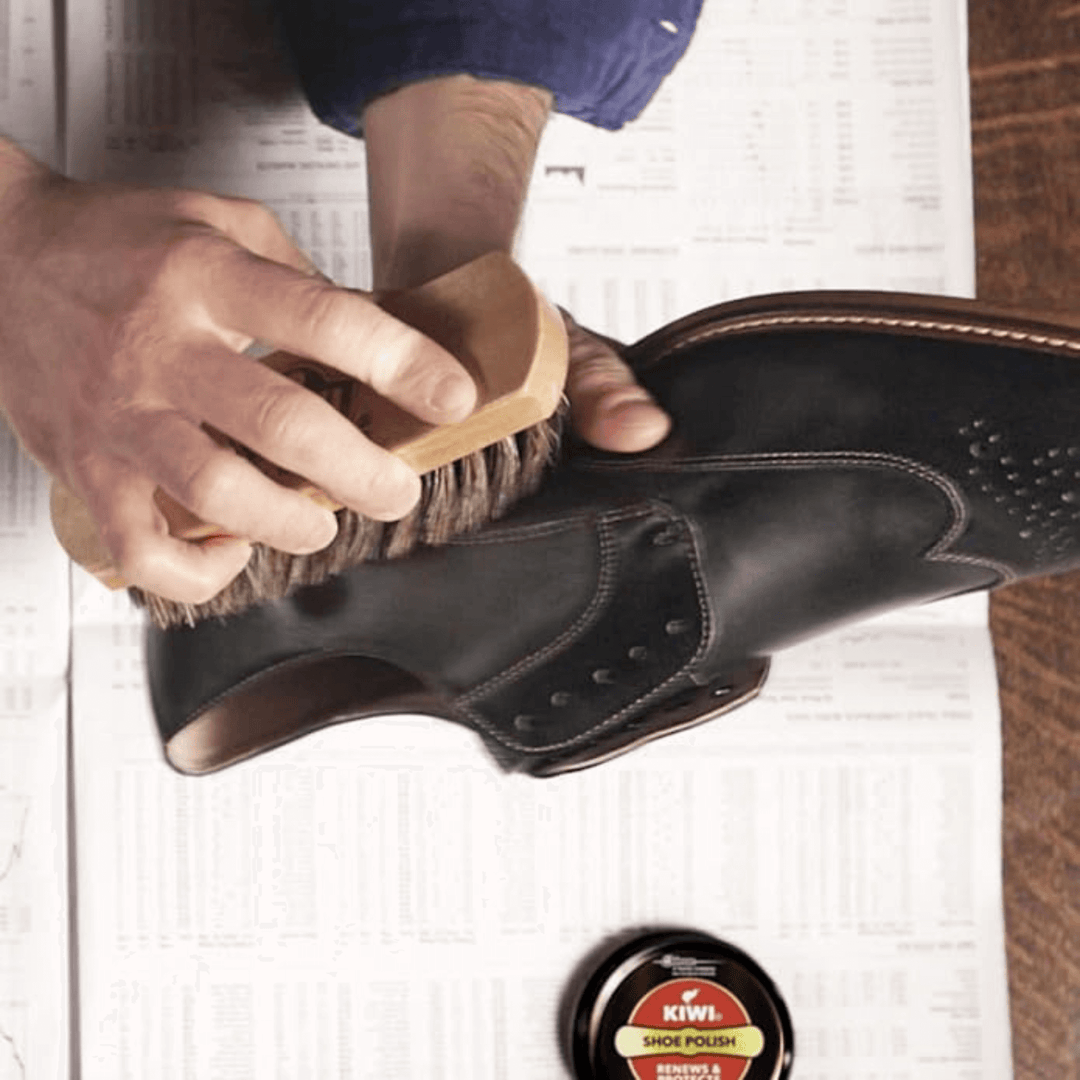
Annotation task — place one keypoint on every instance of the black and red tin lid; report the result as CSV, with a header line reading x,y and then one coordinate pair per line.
x,y
673,1004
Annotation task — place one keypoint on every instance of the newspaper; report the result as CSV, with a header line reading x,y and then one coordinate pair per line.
x,y
29,112
34,644
34,872
377,899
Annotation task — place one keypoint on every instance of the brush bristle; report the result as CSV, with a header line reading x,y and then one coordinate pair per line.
x,y
455,499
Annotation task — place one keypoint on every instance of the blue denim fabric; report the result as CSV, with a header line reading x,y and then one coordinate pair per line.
x,y
602,59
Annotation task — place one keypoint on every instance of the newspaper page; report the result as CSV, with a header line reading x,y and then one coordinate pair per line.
x,y
802,144
378,900
34,881
34,644
28,99
201,94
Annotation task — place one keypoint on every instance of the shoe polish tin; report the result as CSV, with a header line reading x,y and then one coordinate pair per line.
x,y
678,1003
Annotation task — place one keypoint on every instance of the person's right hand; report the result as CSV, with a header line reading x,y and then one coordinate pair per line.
x,y
123,313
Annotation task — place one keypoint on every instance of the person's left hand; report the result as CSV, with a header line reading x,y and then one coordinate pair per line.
x,y
608,408
449,161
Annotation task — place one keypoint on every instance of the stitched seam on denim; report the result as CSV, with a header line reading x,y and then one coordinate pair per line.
x,y
839,458
614,718
885,322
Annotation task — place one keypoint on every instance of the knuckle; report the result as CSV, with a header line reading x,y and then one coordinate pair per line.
x,y
193,250
140,565
584,346
393,355
251,216
186,261
210,487
597,371
189,204
82,477
259,216
329,316
280,418
390,493
134,559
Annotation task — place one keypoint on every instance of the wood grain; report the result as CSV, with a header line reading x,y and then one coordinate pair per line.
x,y
1025,85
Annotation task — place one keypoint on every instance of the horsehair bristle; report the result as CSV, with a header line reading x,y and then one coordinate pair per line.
x,y
455,499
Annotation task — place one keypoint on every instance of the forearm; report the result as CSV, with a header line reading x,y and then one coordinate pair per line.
x,y
17,167
449,164
15,162
18,171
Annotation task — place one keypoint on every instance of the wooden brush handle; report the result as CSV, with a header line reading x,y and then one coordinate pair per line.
x,y
487,314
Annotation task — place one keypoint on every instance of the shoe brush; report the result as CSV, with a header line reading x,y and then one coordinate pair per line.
x,y
510,339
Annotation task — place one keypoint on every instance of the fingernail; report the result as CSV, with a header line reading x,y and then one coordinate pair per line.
x,y
637,425
225,540
634,409
320,537
453,397
393,493
319,497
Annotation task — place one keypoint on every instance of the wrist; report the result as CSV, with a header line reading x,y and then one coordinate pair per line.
x,y
22,180
449,164
17,169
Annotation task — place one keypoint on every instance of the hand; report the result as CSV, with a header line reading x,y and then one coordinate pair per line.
x,y
123,313
607,406
449,162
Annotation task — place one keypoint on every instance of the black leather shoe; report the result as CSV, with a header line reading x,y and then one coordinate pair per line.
x,y
833,456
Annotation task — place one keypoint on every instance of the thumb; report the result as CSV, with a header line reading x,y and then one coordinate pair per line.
x,y
608,408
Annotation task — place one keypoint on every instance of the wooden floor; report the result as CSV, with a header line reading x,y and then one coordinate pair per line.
x,y
1025,85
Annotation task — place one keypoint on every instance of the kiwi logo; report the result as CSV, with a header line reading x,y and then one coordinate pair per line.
x,y
689,1027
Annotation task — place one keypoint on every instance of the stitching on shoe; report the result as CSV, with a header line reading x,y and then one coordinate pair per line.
x,y
657,691
885,322
840,458
497,533
602,593
568,637
508,532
